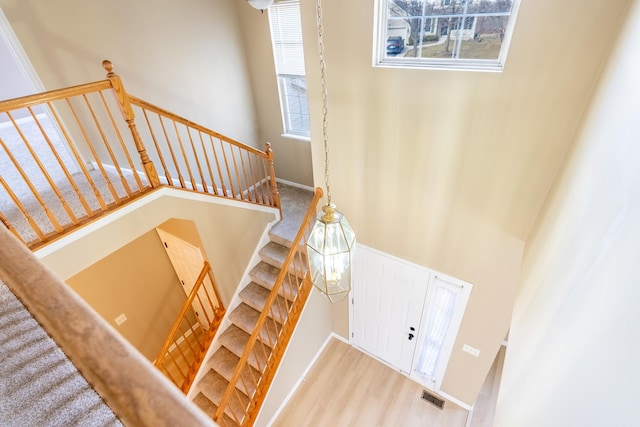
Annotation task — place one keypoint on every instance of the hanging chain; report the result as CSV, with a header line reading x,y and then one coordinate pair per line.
x,y
325,109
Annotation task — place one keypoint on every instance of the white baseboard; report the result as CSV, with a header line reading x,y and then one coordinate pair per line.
x,y
454,400
304,375
294,184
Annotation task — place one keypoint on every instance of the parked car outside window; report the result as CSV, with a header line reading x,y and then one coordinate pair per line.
x,y
395,44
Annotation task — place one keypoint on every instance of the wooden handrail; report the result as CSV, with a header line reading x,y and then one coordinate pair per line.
x,y
186,380
53,95
98,168
174,117
136,392
185,150
272,361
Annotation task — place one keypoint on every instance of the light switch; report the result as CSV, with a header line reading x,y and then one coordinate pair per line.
x,y
121,319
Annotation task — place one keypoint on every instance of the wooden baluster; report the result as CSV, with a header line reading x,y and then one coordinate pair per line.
x,y
52,184
257,187
210,302
87,140
173,155
226,163
215,156
209,321
167,175
63,166
177,366
123,147
127,113
206,157
106,144
272,173
197,160
235,167
165,370
52,218
199,340
214,285
184,157
7,224
180,351
247,183
22,209
256,182
80,163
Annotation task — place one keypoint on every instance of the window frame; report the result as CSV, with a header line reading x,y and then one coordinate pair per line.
x,y
291,70
380,58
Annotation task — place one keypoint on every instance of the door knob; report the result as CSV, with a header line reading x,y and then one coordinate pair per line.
x,y
411,337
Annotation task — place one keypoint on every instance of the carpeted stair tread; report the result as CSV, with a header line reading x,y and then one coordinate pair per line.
x,y
235,340
255,296
275,254
265,275
40,386
213,386
246,319
224,362
295,203
209,408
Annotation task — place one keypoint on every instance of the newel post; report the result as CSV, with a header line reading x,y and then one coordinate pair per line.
x,y
275,194
129,117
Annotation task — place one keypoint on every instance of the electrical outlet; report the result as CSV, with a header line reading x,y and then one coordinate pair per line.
x,y
471,350
121,319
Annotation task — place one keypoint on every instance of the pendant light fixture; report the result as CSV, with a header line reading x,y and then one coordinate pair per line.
x,y
332,240
260,4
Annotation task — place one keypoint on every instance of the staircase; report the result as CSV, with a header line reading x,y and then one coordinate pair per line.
x,y
232,341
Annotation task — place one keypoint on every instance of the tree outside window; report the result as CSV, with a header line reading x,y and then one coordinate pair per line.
x,y
449,33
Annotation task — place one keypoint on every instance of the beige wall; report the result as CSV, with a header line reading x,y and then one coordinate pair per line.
x,y
138,281
230,232
573,349
293,156
449,169
185,57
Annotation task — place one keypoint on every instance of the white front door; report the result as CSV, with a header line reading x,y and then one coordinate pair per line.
x,y
388,300
187,261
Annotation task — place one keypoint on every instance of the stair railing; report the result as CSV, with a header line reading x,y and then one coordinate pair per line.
x,y
193,331
134,390
286,301
193,157
68,160
65,161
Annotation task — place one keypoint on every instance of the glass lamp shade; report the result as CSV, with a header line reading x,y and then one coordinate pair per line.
x,y
260,4
329,251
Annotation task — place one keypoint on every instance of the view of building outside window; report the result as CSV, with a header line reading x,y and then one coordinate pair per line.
x,y
443,31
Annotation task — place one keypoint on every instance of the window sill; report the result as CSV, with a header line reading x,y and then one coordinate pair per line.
x,y
298,137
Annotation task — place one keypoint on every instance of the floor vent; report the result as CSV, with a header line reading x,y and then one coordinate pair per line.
x,y
432,399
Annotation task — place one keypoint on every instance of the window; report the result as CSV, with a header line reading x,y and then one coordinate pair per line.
x,y
286,38
445,305
455,34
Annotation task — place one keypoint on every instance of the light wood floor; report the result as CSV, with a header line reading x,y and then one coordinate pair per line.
x,y
345,387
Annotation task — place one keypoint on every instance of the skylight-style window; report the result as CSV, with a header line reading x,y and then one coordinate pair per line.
x,y
453,34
